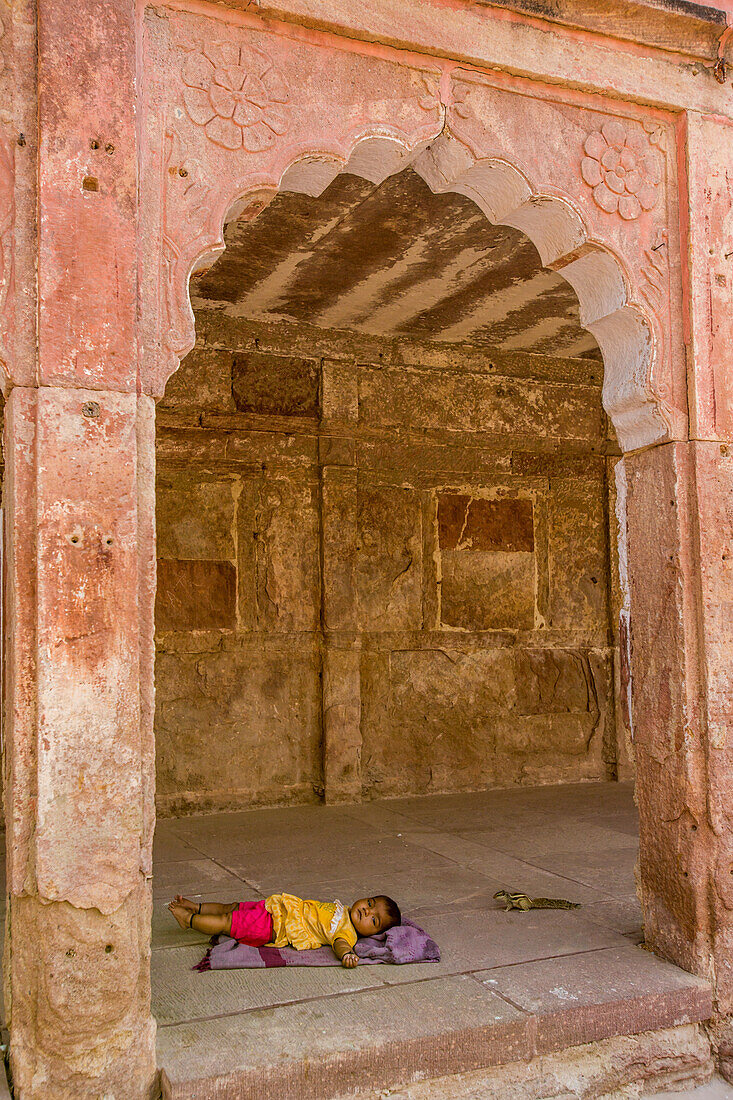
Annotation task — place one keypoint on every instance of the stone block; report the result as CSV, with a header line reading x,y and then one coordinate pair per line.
x,y
578,558
259,706
483,1030
282,385
273,450
714,490
713,503
594,995
487,562
82,990
538,464
340,547
19,619
336,450
430,724
202,381
476,403
284,338
672,769
550,736
710,146
415,461
491,590
470,357
186,445
340,387
624,1066
341,725
93,581
553,681
196,595
617,545
475,523
86,272
389,561
285,534
195,515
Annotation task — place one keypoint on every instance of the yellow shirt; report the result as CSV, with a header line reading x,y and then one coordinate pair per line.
x,y
308,924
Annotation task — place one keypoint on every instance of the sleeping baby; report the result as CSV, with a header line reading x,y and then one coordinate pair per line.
x,y
283,919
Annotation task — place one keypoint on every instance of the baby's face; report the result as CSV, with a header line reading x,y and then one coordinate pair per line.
x,y
369,916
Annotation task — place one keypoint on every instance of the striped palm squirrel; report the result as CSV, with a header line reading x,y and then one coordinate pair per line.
x,y
524,902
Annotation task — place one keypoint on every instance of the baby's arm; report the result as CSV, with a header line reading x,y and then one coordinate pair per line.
x,y
348,956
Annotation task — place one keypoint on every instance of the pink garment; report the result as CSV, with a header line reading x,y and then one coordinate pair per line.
x,y
252,924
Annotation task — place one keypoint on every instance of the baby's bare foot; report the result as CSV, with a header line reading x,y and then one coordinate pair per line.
x,y
186,903
182,915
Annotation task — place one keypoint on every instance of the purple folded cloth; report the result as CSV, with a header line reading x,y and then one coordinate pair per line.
x,y
404,943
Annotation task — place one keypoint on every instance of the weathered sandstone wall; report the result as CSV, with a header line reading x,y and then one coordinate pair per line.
x,y
479,569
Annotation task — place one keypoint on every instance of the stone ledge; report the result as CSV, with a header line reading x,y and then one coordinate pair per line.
x,y
676,25
675,1058
386,1038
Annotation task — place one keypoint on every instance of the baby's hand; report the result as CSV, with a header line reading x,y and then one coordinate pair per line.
x,y
350,960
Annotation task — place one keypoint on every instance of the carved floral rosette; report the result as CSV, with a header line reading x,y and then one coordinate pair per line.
x,y
236,93
622,169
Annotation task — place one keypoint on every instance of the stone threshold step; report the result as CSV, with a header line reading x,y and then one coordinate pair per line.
x,y
387,1037
674,1058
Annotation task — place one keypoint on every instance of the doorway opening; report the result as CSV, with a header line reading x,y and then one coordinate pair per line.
x,y
388,450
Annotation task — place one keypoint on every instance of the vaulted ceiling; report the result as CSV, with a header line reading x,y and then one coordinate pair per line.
x,y
394,259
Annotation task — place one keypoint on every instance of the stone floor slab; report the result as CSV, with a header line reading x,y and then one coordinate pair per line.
x,y
471,940
594,868
168,847
190,876
585,997
167,932
415,886
310,1050
331,861
552,839
621,913
183,994
506,871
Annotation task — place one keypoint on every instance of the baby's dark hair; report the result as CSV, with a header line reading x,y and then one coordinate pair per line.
x,y
393,910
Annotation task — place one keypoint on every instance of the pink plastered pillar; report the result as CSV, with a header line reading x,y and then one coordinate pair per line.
x,y
78,618
679,515
676,860
79,579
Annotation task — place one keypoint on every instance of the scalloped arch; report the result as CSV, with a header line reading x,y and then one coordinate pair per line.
x,y
624,330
